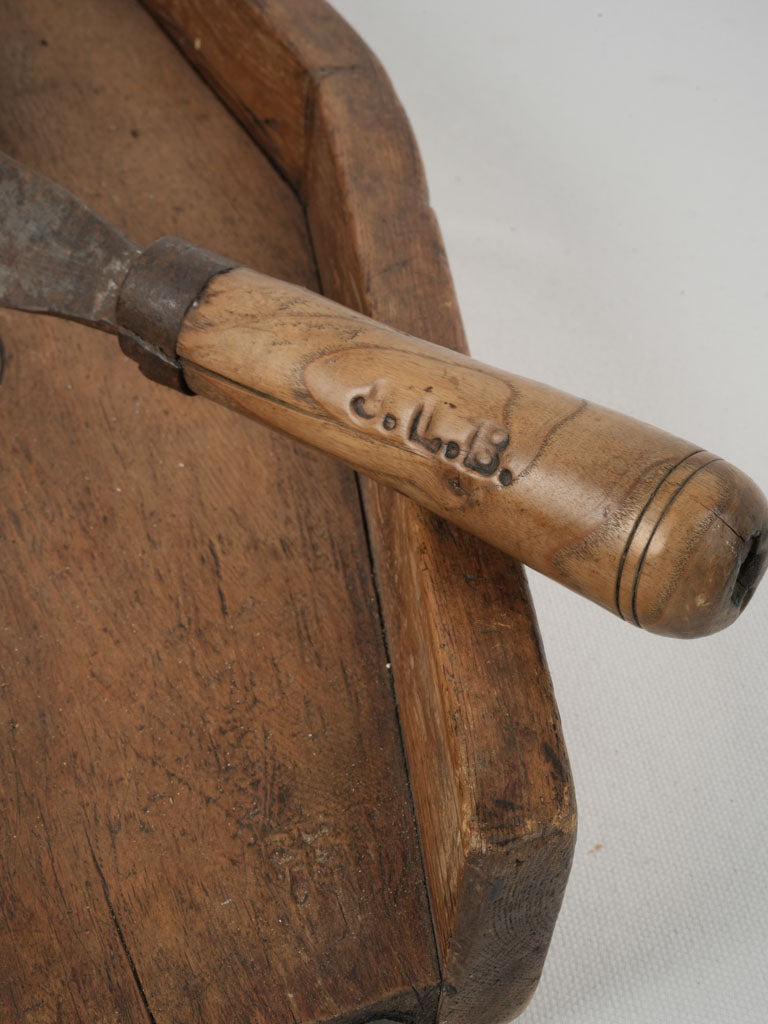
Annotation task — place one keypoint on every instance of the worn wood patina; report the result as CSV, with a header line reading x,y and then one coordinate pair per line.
x,y
214,808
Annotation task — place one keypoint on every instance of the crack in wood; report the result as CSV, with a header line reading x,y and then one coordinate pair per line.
x,y
120,936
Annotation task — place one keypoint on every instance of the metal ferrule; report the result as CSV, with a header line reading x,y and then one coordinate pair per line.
x,y
165,280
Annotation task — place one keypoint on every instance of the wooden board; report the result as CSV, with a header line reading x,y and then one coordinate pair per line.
x,y
488,769
488,766
204,805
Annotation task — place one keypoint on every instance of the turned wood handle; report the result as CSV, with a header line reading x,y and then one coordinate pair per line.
x,y
665,535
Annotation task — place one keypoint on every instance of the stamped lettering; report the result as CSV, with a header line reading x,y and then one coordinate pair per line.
x,y
420,401
439,428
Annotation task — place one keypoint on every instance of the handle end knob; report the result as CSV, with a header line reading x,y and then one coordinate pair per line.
x,y
707,552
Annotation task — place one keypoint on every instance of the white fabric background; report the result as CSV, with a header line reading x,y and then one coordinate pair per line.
x,y
600,172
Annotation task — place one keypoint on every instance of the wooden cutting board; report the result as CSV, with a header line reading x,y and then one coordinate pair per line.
x,y
213,805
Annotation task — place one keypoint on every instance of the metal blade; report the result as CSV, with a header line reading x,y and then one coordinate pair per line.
x,y
56,255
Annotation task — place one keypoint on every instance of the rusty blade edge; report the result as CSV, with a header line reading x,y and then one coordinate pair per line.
x,y
56,255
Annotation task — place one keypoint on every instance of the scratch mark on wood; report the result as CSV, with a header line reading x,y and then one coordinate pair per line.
x,y
217,570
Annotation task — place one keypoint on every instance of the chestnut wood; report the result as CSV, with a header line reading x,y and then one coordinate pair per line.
x,y
488,766
644,523
204,808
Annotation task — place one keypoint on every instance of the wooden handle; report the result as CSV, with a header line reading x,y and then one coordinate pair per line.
x,y
664,534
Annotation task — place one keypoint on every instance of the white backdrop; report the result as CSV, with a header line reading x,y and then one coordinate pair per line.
x,y
600,172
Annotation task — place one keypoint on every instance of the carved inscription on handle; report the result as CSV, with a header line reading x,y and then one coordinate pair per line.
x,y
475,444
420,405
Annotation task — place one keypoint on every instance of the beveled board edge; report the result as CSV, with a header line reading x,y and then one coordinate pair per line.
x,y
488,767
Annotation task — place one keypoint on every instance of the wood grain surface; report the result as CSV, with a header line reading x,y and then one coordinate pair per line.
x,y
204,805
488,767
